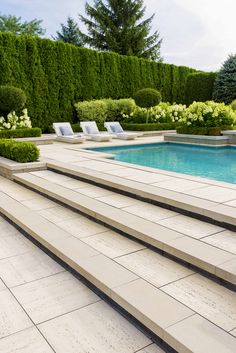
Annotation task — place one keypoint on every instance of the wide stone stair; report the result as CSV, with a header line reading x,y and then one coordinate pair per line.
x,y
173,273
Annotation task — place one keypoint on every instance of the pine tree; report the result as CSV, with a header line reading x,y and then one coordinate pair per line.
x,y
225,83
13,24
118,26
70,33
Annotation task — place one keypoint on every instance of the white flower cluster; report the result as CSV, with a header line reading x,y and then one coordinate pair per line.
x,y
208,114
161,113
13,121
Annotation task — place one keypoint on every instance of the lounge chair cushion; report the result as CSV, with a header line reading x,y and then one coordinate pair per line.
x,y
66,131
116,128
91,130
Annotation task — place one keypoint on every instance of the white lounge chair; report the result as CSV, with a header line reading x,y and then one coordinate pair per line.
x,y
115,129
91,131
65,133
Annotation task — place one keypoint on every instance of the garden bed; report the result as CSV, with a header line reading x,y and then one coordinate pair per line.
x,y
22,152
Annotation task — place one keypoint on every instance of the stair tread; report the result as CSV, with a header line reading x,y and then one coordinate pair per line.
x,y
209,208
194,251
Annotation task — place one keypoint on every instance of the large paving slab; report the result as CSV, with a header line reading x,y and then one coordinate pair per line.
x,y
57,214
224,240
38,203
190,226
113,244
26,341
179,184
153,267
197,335
214,193
214,302
14,245
149,212
27,267
12,316
53,296
95,328
6,229
81,227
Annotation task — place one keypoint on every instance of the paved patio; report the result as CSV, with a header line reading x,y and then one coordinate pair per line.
x,y
50,310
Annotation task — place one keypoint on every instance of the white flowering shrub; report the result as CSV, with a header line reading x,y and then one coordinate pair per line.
x,y
208,114
161,113
13,121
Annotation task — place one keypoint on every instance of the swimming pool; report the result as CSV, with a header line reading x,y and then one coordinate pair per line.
x,y
217,163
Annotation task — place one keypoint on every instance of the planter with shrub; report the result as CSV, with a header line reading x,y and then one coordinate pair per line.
x,y
18,151
207,118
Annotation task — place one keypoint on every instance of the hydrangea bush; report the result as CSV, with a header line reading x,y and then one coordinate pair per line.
x,y
12,121
208,114
161,113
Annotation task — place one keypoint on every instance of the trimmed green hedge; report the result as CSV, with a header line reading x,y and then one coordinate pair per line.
x,y
134,127
55,75
199,87
149,127
77,128
18,133
22,152
211,131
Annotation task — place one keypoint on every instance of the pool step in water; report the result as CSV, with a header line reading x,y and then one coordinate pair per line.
x,y
172,301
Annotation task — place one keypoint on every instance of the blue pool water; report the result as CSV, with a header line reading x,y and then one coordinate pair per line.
x,y
217,163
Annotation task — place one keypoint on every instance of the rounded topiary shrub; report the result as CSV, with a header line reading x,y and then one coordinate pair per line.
x,y
147,97
11,99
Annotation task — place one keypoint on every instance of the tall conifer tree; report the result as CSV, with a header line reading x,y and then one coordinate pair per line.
x,y
118,26
70,33
225,83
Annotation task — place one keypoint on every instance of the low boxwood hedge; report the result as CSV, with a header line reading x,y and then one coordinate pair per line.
x,y
211,131
134,127
18,151
148,127
19,133
77,128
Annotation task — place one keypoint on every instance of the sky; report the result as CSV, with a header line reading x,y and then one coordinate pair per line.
x,y
196,33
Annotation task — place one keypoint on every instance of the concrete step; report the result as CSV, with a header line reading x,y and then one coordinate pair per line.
x,y
211,211
172,317
218,262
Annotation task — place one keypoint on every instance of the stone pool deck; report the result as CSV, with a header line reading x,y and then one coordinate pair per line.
x,y
52,311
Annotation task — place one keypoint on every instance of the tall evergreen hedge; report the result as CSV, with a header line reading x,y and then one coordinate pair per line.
x,y
199,86
55,75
